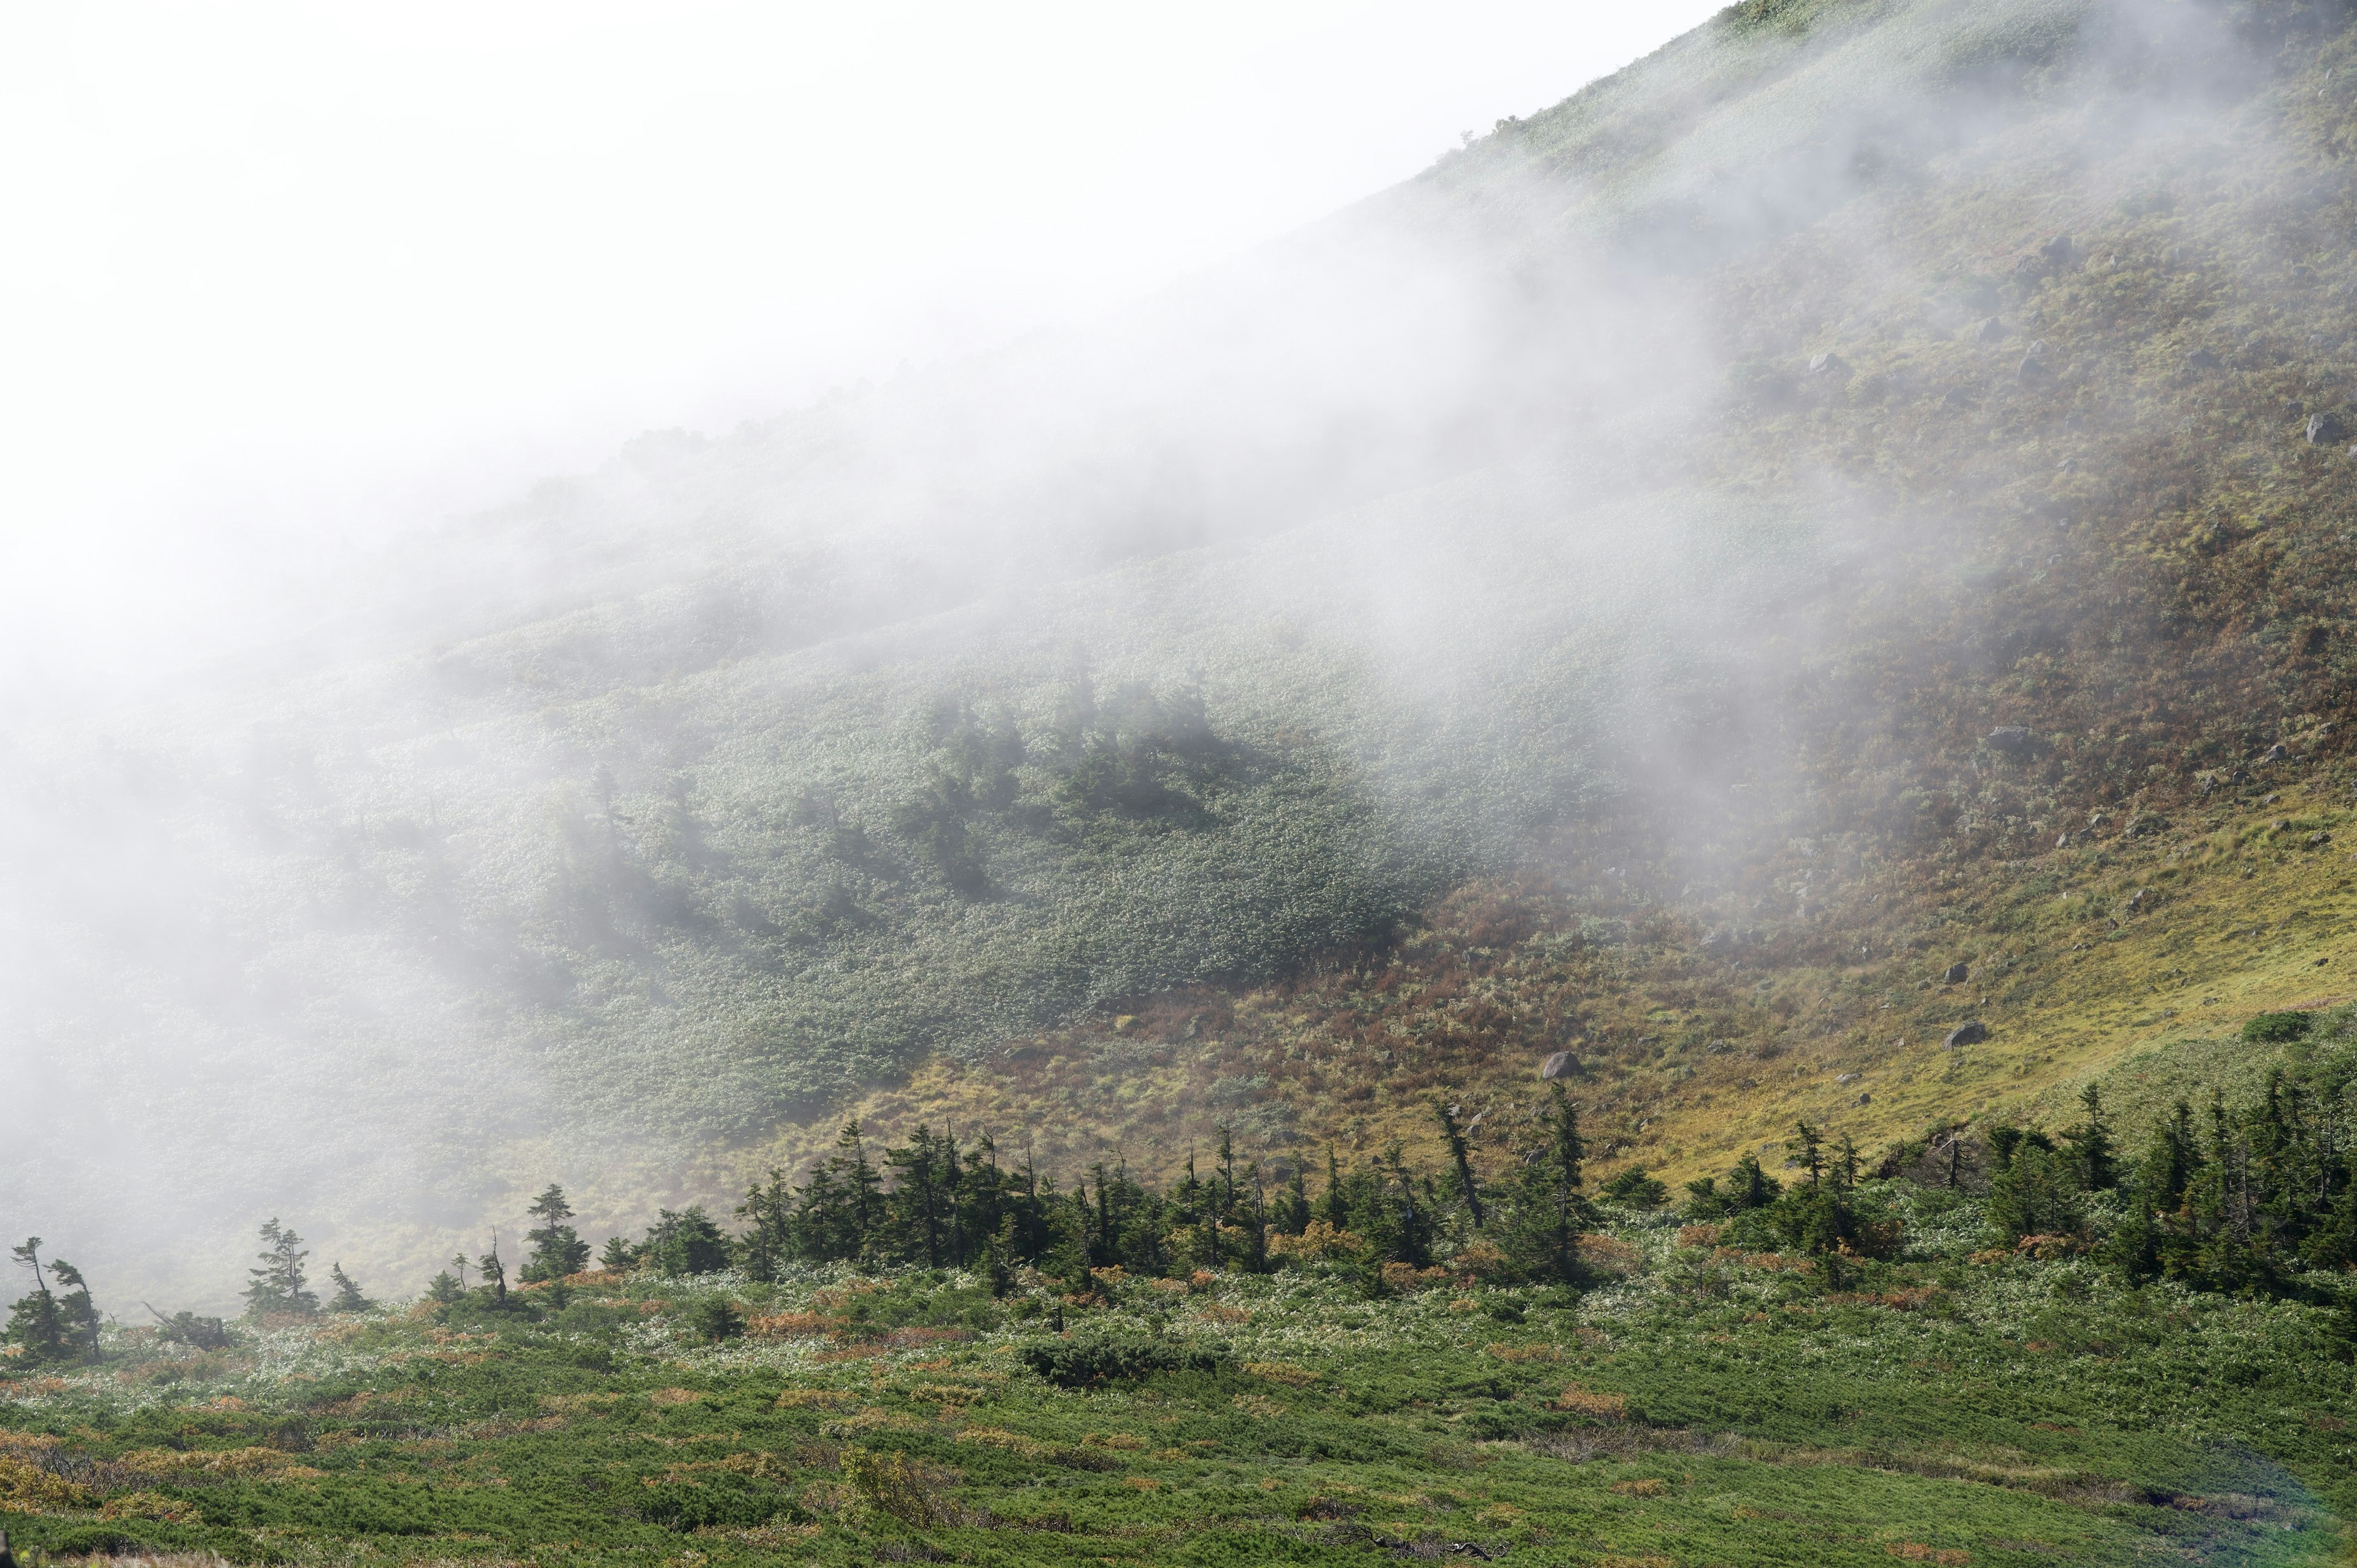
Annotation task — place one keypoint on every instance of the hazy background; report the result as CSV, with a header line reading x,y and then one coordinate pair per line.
x,y
283,278
1066,563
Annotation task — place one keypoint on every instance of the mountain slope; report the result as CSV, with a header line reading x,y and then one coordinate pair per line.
x,y
1505,530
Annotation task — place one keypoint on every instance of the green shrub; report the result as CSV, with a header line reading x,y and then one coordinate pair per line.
x,y
2278,1028
1083,1360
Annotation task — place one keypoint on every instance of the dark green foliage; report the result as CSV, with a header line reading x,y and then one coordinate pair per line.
x,y
2277,1028
277,1286
1087,1358
187,1328
716,1318
349,1297
557,1249
687,1242
1541,1237
2036,1193
36,1322
1639,1188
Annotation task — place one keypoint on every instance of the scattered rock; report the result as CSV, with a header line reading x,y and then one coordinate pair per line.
x,y
1830,365
2202,359
2276,753
2062,841
2145,823
2011,740
1957,975
1990,331
2326,430
1866,1100
2137,900
1560,1065
1967,1034
2318,840
2058,251
2033,367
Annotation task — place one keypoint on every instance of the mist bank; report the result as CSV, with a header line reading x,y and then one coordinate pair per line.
x,y
594,839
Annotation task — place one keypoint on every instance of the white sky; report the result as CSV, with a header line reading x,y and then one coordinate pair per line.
x,y
300,272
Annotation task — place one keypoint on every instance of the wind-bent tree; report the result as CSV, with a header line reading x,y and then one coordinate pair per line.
x,y
348,1297
35,1321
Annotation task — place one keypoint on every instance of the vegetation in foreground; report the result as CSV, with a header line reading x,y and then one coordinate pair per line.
x,y
1696,1402
1992,1345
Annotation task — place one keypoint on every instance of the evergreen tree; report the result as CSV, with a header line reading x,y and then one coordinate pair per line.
x,y
494,1273
1550,1209
348,1296
2091,1145
684,1243
557,1249
1338,1206
277,1285
771,1236
619,1256
35,1321
77,1314
445,1288
1454,1137
1297,1210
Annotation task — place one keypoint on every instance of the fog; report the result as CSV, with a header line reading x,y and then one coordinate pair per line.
x,y
395,830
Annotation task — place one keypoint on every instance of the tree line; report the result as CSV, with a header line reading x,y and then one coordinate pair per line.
x,y
2256,1200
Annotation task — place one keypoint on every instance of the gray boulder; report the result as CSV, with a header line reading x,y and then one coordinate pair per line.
x,y
2011,740
2202,359
2326,430
1563,1064
1990,331
1830,365
1958,974
1967,1034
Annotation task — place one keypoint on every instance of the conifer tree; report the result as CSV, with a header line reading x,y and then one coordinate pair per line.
x,y
277,1285
35,1321
2091,1145
557,1249
348,1296
1455,1138
494,1272
1550,1210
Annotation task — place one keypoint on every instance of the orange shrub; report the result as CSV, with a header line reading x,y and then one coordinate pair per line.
x,y
1596,1406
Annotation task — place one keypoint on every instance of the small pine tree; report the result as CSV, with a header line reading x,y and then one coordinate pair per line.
x,y
1550,1210
348,1297
77,1314
494,1272
445,1289
619,1256
557,1249
278,1286
35,1322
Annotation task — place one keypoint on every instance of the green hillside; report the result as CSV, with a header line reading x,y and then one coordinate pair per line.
x,y
1498,531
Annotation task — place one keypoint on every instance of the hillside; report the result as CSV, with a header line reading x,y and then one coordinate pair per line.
x,y
1020,915
1481,627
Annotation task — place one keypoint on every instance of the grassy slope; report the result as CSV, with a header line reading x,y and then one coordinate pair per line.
x,y
1708,1408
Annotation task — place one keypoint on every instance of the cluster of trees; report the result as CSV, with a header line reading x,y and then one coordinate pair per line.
x,y
58,1324
2257,1200
935,1202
